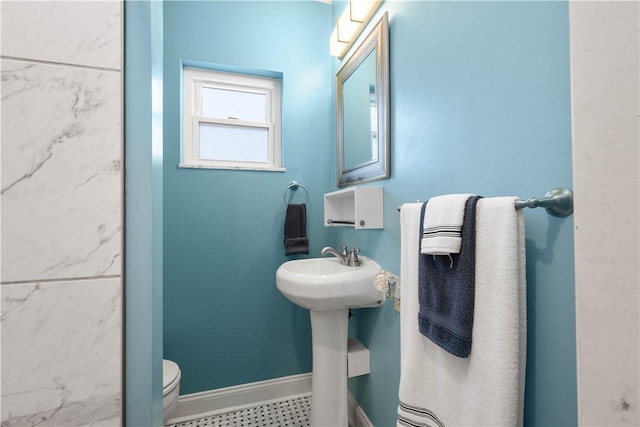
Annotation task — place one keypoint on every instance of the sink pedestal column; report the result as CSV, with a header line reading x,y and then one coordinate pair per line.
x,y
329,376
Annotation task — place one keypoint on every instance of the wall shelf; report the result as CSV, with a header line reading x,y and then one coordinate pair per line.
x,y
358,207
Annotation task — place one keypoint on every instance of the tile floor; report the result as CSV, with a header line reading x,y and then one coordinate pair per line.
x,y
287,413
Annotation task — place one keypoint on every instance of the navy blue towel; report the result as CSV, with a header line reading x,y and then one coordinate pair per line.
x,y
295,230
446,287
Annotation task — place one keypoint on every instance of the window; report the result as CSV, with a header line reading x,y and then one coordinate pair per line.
x,y
231,121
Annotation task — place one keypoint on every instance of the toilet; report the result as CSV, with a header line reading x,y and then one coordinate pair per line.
x,y
170,388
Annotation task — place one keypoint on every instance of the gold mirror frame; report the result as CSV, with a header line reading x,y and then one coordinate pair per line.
x,y
377,168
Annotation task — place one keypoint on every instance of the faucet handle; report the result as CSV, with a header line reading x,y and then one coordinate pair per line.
x,y
345,250
353,257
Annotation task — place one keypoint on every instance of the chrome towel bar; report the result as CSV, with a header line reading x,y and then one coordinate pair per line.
x,y
558,202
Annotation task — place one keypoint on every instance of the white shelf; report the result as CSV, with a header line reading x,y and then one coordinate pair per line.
x,y
359,207
358,358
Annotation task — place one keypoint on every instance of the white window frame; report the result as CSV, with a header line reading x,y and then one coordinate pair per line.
x,y
194,79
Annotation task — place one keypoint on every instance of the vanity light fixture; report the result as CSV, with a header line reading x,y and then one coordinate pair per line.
x,y
350,24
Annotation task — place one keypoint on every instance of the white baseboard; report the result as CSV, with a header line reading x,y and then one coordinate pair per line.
x,y
228,399
235,398
357,417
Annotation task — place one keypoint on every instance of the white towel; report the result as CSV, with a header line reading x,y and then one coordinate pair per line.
x,y
443,224
487,388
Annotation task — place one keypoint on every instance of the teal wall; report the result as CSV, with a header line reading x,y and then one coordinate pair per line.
x,y
480,102
143,213
225,323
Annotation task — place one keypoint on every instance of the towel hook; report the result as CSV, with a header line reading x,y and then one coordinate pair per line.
x,y
293,186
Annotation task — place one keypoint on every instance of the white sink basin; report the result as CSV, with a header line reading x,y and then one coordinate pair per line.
x,y
325,284
329,289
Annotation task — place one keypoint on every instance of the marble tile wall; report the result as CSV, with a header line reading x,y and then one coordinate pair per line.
x,y
58,361
605,42
85,33
61,202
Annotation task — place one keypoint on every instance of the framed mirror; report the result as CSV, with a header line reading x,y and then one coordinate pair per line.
x,y
362,96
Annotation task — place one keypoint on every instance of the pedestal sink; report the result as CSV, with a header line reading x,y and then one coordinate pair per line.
x,y
329,289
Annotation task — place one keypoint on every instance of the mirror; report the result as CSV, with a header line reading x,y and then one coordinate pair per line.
x,y
362,96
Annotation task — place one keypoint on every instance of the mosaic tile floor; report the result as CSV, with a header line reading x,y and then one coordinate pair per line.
x,y
287,413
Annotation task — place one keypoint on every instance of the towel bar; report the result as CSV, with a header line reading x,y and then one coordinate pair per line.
x,y
343,221
557,202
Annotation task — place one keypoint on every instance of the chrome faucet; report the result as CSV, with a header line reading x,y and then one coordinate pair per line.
x,y
347,257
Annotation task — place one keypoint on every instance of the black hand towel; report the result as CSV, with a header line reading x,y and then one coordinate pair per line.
x,y
446,287
295,230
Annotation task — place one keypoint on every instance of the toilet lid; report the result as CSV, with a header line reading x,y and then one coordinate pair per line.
x,y
170,375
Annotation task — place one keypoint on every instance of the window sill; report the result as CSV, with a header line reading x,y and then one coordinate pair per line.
x,y
230,167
